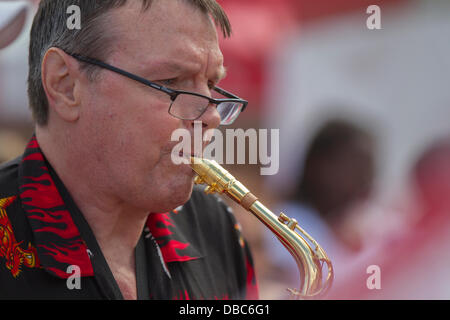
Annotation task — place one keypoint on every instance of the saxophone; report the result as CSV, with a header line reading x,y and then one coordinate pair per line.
x,y
308,254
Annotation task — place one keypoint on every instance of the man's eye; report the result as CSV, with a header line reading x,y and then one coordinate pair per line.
x,y
168,82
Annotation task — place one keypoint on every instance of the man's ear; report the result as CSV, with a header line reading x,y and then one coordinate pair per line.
x,y
60,79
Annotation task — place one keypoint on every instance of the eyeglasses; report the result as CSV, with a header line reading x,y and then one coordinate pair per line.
x,y
185,105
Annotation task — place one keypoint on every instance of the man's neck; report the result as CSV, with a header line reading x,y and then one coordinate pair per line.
x,y
116,224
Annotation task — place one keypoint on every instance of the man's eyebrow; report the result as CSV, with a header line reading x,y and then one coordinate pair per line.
x,y
166,66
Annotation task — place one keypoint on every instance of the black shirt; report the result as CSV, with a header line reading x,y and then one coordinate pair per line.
x,y
48,251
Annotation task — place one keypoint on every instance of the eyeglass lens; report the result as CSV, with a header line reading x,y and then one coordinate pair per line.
x,y
190,107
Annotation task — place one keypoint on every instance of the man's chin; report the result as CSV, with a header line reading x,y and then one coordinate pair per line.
x,y
184,194
174,190
177,196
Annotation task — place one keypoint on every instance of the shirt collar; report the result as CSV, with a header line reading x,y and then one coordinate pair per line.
x,y
57,238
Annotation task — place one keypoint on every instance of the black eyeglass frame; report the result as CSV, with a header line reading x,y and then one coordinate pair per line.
x,y
171,92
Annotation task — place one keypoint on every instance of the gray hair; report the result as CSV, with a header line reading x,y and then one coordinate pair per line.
x,y
49,30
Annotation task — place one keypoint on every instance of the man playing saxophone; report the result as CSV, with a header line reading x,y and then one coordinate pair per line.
x,y
95,208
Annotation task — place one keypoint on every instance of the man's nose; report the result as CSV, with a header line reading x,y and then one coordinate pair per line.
x,y
210,118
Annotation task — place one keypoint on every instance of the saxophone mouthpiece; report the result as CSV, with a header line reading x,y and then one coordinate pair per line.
x,y
198,165
196,160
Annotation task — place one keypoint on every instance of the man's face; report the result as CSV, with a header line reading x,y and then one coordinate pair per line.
x,y
126,125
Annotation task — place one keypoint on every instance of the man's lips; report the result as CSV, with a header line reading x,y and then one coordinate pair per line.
x,y
189,155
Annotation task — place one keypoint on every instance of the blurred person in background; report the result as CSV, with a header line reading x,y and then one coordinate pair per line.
x,y
335,183
413,263
395,76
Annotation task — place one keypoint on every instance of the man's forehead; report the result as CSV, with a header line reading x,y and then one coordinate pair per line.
x,y
163,17
169,44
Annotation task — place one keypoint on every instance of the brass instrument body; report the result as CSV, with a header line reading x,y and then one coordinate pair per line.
x,y
309,260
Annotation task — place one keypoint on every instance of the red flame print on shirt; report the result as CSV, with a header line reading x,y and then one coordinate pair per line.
x,y
162,227
58,240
